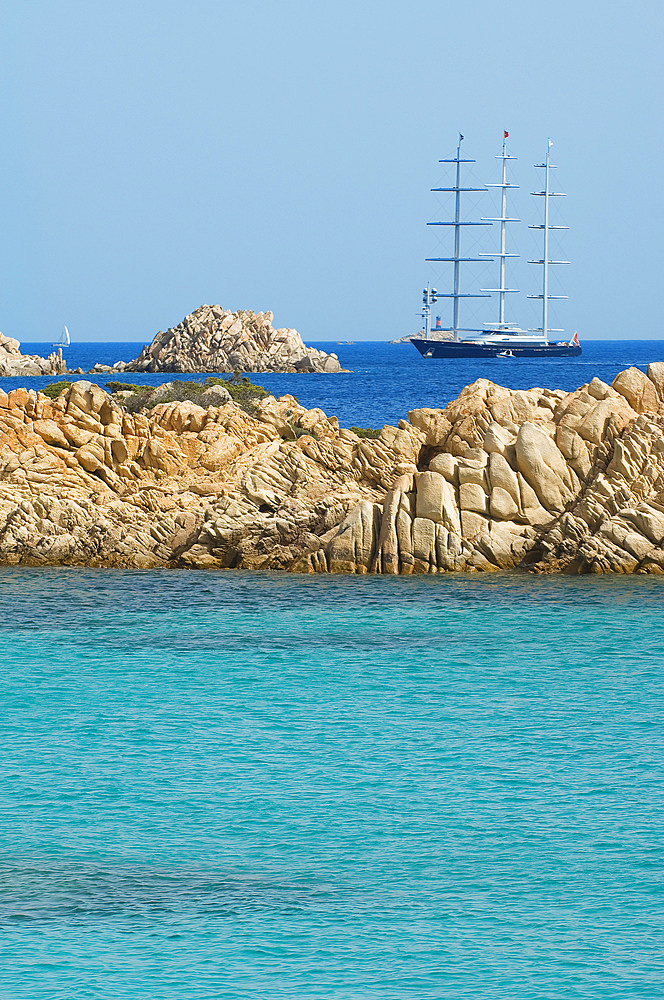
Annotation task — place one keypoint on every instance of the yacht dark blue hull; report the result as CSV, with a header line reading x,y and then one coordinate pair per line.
x,y
467,349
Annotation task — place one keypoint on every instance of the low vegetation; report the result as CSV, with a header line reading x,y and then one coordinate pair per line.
x,y
366,432
56,389
240,387
135,397
300,431
124,387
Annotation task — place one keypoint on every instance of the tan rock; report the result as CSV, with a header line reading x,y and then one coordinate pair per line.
x,y
13,363
499,440
436,501
655,373
433,423
639,391
574,450
497,480
472,498
447,465
352,548
599,389
501,475
425,559
502,505
212,339
543,466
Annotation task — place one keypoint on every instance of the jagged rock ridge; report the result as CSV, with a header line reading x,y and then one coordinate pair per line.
x,y
13,362
212,339
499,479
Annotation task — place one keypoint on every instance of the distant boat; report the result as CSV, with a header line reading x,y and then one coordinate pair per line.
x,y
65,339
501,339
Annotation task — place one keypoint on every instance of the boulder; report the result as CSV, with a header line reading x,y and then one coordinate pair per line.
x,y
543,466
215,395
638,389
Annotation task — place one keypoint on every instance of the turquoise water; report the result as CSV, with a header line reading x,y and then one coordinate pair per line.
x,y
230,785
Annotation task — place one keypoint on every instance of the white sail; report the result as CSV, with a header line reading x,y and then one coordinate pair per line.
x,y
65,339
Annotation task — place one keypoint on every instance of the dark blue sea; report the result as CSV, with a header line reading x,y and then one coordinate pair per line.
x,y
387,380
238,786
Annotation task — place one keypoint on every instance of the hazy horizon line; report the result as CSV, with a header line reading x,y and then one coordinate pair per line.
x,y
338,343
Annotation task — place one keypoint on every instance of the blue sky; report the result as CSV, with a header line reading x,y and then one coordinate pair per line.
x,y
280,155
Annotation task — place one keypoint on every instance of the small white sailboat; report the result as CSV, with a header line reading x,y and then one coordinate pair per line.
x,y
65,339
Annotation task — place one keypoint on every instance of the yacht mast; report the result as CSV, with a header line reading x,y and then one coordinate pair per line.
x,y
547,193
457,259
429,298
503,219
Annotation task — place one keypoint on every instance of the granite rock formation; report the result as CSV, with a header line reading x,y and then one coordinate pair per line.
x,y
499,479
13,363
212,339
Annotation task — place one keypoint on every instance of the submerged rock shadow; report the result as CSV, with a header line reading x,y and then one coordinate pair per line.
x,y
88,892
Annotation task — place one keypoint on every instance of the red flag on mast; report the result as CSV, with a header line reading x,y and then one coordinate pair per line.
x,y
506,134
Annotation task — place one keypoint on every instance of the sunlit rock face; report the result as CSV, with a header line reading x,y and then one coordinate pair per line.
x,y
13,363
498,480
213,339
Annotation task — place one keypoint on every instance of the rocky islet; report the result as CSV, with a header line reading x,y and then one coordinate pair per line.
x,y
212,339
13,363
499,479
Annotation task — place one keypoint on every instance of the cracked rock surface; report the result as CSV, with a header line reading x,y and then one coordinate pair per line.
x,y
212,339
497,480
13,362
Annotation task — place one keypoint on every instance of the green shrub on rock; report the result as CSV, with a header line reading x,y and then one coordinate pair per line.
x,y
366,432
138,397
125,387
300,431
240,387
141,400
55,389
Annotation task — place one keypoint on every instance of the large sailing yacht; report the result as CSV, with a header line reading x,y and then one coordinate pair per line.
x,y
503,338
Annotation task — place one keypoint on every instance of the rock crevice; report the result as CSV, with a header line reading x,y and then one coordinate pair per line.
x,y
212,339
13,362
497,480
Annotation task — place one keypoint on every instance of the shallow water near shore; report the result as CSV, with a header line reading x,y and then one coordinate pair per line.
x,y
234,785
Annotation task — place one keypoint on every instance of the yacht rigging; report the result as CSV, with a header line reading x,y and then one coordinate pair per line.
x,y
504,335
